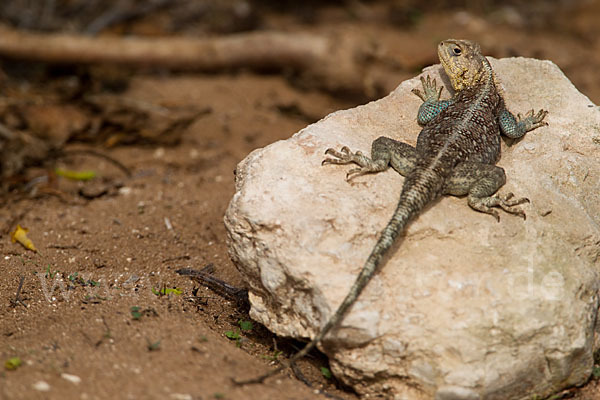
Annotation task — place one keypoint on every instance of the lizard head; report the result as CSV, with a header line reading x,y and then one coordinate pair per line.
x,y
463,62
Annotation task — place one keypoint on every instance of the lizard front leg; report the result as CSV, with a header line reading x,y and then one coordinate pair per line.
x,y
384,152
517,127
432,105
479,182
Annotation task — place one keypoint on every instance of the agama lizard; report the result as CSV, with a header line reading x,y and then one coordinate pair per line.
x,y
455,155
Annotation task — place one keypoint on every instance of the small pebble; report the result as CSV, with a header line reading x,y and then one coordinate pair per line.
x,y
181,396
71,378
41,386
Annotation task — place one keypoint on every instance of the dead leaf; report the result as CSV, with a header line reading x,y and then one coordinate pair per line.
x,y
20,235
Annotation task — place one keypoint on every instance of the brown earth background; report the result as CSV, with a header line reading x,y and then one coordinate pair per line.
x,y
97,298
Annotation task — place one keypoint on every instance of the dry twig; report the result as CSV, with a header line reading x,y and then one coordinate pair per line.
x,y
222,288
333,63
98,154
17,299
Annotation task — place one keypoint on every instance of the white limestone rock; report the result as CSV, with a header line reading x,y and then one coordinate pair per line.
x,y
464,307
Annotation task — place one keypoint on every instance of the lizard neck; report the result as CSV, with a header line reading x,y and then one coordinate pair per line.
x,y
488,77
482,80
483,88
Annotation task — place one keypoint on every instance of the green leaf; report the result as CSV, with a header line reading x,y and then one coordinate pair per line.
x,y
75,175
596,371
326,372
12,363
273,357
167,291
135,312
245,325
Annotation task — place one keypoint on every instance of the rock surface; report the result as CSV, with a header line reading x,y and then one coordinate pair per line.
x,y
464,307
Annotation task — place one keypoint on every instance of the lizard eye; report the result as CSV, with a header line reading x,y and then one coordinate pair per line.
x,y
457,51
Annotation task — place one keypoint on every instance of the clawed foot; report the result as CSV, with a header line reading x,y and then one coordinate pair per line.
x,y
506,202
532,120
430,91
345,156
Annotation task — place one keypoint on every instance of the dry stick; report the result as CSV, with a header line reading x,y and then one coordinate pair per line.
x,y
98,154
335,61
204,277
107,334
241,296
257,49
18,295
300,376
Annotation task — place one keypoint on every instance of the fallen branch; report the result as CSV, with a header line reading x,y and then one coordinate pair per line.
x,y
222,288
337,62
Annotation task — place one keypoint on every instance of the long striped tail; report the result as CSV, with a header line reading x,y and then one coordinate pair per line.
x,y
419,189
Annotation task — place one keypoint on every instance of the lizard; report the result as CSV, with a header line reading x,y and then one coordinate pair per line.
x,y
455,154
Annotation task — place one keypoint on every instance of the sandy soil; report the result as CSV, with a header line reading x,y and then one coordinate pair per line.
x,y
99,258
121,241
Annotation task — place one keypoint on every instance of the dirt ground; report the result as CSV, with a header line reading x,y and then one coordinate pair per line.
x,y
91,304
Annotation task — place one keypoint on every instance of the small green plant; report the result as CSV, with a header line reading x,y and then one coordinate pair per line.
x,y
245,326
49,273
274,356
219,396
596,371
135,313
326,372
234,335
75,279
153,346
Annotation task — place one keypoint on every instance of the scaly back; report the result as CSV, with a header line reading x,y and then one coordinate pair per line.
x,y
468,129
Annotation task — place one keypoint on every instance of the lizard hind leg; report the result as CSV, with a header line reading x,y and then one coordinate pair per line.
x,y
345,156
385,152
479,182
486,204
